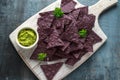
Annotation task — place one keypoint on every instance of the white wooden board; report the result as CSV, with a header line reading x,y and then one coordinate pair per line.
x,y
65,70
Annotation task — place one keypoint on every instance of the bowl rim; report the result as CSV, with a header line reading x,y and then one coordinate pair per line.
x,y
31,46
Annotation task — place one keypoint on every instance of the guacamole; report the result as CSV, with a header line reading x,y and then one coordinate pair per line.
x,y
27,37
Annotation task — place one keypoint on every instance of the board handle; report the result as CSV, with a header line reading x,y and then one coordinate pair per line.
x,y
102,5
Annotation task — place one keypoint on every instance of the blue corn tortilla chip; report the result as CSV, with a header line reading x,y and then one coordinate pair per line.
x,y
93,37
44,14
69,36
71,61
74,47
78,54
69,7
87,22
72,27
72,31
54,40
50,70
76,57
74,14
58,23
66,44
62,54
67,20
64,2
83,11
53,58
43,33
45,21
88,46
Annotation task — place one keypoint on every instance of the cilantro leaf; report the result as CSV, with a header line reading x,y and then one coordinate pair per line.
x,y
58,12
42,56
83,33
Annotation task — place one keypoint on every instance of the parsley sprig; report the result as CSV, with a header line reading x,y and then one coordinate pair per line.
x,y
58,12
83,33
42,56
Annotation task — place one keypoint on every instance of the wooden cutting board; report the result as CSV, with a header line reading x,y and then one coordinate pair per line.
x,y
34,66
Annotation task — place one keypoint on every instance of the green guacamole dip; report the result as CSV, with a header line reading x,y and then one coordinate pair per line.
x,y
27,37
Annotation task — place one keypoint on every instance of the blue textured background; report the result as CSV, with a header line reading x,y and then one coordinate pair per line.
x,y
104,65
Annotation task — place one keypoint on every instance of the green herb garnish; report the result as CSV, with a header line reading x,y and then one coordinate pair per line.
x,y
42,56
58,12
83,33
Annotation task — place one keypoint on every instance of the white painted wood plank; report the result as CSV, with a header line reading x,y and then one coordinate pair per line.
x,y
102,5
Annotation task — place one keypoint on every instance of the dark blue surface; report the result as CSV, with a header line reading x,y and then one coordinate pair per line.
x,y
103,65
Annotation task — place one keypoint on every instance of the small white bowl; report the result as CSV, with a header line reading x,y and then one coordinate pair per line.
x,y
31,46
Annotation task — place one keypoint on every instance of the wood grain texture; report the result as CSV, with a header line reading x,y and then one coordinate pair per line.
x,y
104,65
